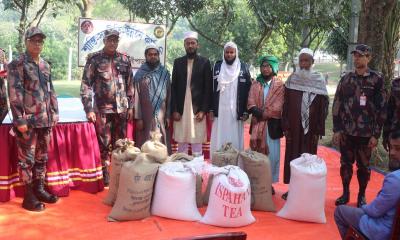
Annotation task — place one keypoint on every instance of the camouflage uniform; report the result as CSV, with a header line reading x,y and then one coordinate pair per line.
x,y
393,111
110,79
358,121
3,91
33,102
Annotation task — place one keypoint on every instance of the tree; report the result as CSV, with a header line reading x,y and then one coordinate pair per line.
x,y
337,41
163,11
303,23
85,7
391,44
31,14
233,20
373,23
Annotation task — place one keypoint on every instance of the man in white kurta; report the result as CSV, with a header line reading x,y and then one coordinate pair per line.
x,y
231,112
191,87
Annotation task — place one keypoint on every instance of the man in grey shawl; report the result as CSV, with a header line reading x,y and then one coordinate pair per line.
x,y
152,98
305,109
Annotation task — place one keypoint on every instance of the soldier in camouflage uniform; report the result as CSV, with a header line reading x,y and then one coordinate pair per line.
x,y
34,108
3,91
359,112
108,76
392,124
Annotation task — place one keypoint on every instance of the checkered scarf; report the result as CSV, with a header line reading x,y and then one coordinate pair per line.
x,y
310,83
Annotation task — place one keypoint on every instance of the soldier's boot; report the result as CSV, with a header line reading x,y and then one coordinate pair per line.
x,y
41,193
363,178
346,172
106,176
31,203
344,199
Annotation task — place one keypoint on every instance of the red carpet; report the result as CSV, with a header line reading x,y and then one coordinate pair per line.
x,y
83,216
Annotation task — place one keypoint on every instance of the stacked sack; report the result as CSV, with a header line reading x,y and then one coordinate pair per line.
x,y
198,164
175,189
137,180
226,155
258,168
306,199
229,203
125,151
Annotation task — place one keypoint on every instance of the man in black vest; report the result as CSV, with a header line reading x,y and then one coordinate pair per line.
x,y
190,96
231,85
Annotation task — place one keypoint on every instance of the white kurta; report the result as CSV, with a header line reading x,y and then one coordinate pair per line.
x,y
188,130
226,128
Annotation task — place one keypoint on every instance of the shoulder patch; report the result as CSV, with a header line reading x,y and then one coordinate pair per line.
x,y
93,54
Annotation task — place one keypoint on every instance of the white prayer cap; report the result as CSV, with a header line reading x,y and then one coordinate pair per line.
x,y
307,51
190,34
151,46
230,44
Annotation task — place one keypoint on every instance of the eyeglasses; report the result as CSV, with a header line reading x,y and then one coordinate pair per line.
x,y
113,40
37,42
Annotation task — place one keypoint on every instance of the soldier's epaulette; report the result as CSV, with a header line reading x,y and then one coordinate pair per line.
x,y
93,54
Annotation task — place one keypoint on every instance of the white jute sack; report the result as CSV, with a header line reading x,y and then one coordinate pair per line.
x,y
226,155
155,148
306,199
258,168
229,204
135,189
196,163
125,151
175,192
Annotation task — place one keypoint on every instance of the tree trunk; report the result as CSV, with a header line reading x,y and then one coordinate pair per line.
x,y
391,44
86,8
373,22
22,26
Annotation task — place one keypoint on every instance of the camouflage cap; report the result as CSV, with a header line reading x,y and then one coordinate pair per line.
x,y
362,49
110,32
32,31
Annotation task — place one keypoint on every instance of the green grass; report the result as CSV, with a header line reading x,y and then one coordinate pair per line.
x,y
67,88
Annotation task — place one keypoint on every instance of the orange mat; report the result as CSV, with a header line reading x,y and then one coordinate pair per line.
x,y
83,216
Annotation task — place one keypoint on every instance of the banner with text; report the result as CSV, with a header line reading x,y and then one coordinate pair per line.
x,y
134,37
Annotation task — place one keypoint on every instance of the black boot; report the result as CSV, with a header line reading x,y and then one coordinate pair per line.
x,y
31,203
41,193
345,196
363,175
361,200
106,177
346,173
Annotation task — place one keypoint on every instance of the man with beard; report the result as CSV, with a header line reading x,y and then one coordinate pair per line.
x,y
231,85
375,220
108,75
265,104
190,97
305,109
152,98
359,112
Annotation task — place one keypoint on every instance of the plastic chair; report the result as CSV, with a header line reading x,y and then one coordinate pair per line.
x,y
218,236
354,234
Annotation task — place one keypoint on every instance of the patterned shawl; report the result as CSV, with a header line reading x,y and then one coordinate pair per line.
x,y
158,79
310,83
